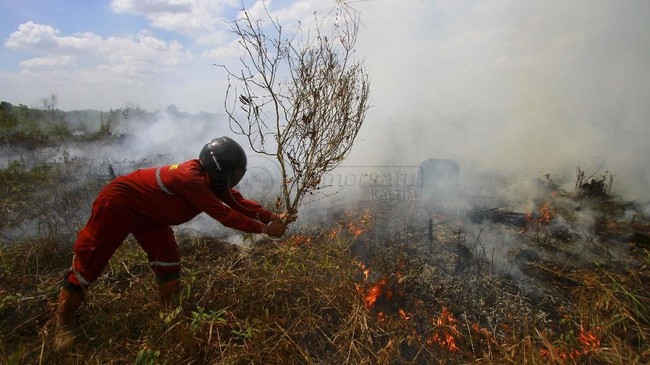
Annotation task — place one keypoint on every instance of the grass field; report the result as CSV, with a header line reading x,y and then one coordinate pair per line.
x,y
301,300
359,287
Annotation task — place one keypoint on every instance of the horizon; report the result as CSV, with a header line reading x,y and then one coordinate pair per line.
x,y
535,86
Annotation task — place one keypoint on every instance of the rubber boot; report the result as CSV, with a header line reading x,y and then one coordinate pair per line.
x,y
168,292
69,302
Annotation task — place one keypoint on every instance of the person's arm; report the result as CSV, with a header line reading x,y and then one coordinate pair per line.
x,y
197,191
253,210
249,208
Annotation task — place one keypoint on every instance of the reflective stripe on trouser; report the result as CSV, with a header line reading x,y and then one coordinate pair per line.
x,y
109,224
159,244
161,263
80,278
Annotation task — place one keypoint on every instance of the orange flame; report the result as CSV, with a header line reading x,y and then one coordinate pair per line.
x,y
301,239
445,331
360,264
383,287
366,271
405,316
381,317
483,332
589,342
375,291
357,228
545,215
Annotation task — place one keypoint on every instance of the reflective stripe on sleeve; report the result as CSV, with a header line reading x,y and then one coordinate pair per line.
x,y
160,183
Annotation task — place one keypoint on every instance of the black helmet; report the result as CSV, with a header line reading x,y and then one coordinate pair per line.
x,y
225,162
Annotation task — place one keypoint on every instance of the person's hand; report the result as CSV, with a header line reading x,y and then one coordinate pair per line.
x,y
284,217
275,229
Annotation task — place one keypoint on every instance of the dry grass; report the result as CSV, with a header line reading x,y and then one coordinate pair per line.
x,y
266,304
608,323
306,299
289,302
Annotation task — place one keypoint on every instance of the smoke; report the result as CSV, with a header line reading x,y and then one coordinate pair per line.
x,y
513,95
505,87
518,94
509,90
523,88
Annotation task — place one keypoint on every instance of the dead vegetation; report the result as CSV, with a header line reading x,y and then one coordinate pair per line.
x,y
593,183
300,96
316,298
368,285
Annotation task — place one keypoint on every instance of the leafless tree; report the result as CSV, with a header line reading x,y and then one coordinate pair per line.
x,y
299,97
50,103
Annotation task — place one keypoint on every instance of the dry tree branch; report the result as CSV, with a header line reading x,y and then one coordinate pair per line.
x,y
308,93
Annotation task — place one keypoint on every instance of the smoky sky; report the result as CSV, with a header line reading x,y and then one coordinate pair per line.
x,y
536,86
524,87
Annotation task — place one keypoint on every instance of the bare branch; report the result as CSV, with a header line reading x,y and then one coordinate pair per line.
x,y
307,93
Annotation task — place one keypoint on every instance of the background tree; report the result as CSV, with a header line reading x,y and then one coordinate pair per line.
x,y
50,103
299,97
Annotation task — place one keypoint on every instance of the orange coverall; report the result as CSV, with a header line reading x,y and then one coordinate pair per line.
x,y
146,203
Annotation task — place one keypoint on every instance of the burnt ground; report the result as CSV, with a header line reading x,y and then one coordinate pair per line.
x,y
506,267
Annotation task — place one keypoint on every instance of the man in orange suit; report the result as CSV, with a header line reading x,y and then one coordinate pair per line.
x,y
145,204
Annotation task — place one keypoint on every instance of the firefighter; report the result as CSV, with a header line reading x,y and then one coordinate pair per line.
x,y
145,204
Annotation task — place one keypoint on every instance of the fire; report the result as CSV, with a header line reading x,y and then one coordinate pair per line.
x,y
543,215
445,331
483,332
366,271
375,291
301,239
367,215
546,213
405,316
381,317
357,228
385,287
589,342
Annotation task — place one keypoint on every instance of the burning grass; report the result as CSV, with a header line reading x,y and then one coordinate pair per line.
x,y
363,287
351,291
288,302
